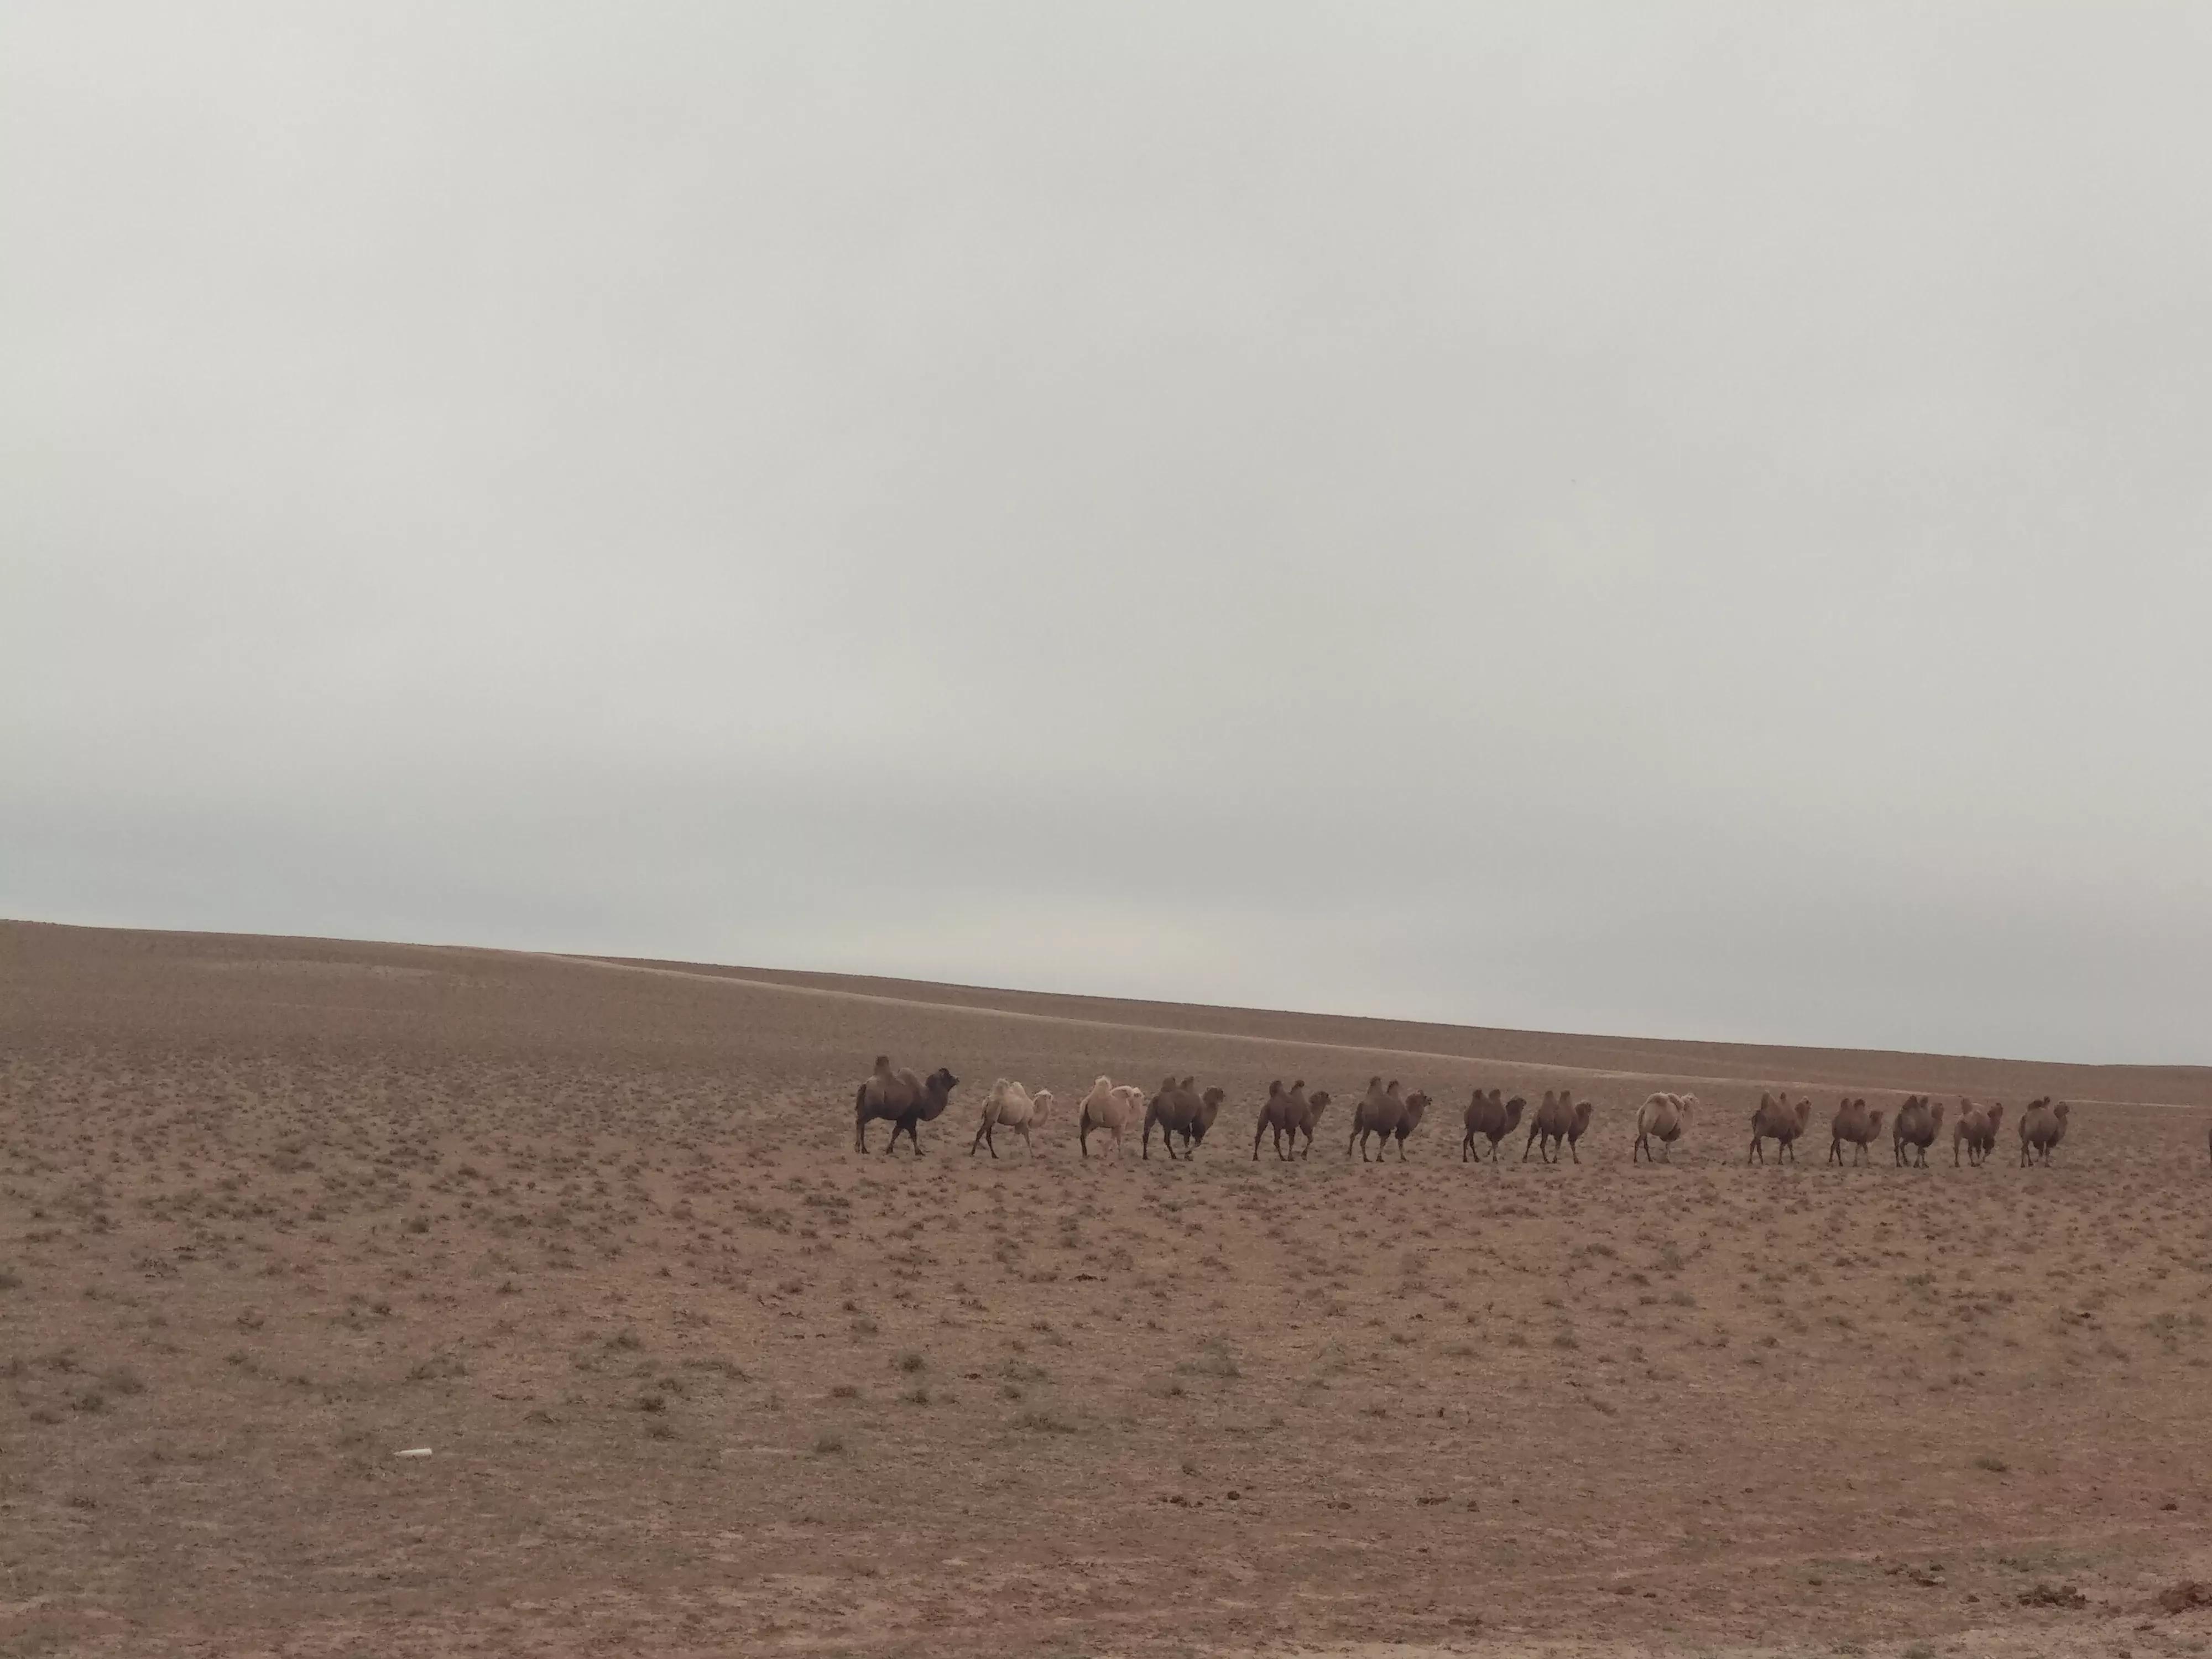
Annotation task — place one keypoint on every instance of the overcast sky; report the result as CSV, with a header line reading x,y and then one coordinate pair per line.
x,y
1688,520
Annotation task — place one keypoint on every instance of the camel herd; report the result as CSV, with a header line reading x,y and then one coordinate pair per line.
x,y
1385,1113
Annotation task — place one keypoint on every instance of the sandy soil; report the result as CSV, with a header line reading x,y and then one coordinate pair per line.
x,y
696,1378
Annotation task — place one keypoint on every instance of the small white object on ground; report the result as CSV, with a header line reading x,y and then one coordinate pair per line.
x,y
413,1451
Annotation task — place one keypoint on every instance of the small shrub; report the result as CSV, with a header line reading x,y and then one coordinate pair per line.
x,y
828,1445
911,1362
1992,1464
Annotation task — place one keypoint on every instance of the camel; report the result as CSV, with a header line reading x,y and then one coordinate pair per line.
x,y
905,1099
1662,1117
1275,1113
1108,1109
1417,1107
2042,1126
1560,1123
1010,1106
1289,1112
1777,1119
1977,1128
1380,1112
1855,1126
1917,1122
1178,1109
1316,1103
1492,1119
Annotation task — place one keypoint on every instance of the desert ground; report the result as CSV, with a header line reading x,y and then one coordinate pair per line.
x,y
696,1377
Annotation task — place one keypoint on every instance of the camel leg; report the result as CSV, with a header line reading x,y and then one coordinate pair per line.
x,y
981,1129
1259,1133
1571,1152
1527,1144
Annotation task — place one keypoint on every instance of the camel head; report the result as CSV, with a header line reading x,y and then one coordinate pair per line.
x,y
1514,1107
1874,1122
1997,1116
1416,1104
941,1084
1583,1116
1804,1114
1209,1107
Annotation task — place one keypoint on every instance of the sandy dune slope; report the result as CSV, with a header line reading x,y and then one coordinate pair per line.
x,y
697,1378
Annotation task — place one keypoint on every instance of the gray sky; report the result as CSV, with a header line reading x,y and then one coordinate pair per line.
x,y
1683,520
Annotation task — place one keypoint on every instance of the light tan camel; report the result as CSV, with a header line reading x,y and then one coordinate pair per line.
x,y
1662,1117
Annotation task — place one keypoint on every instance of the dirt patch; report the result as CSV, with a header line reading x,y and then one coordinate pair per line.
x,y
695,1378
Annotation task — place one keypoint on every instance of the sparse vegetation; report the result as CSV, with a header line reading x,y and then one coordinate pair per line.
x,y
221,1303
